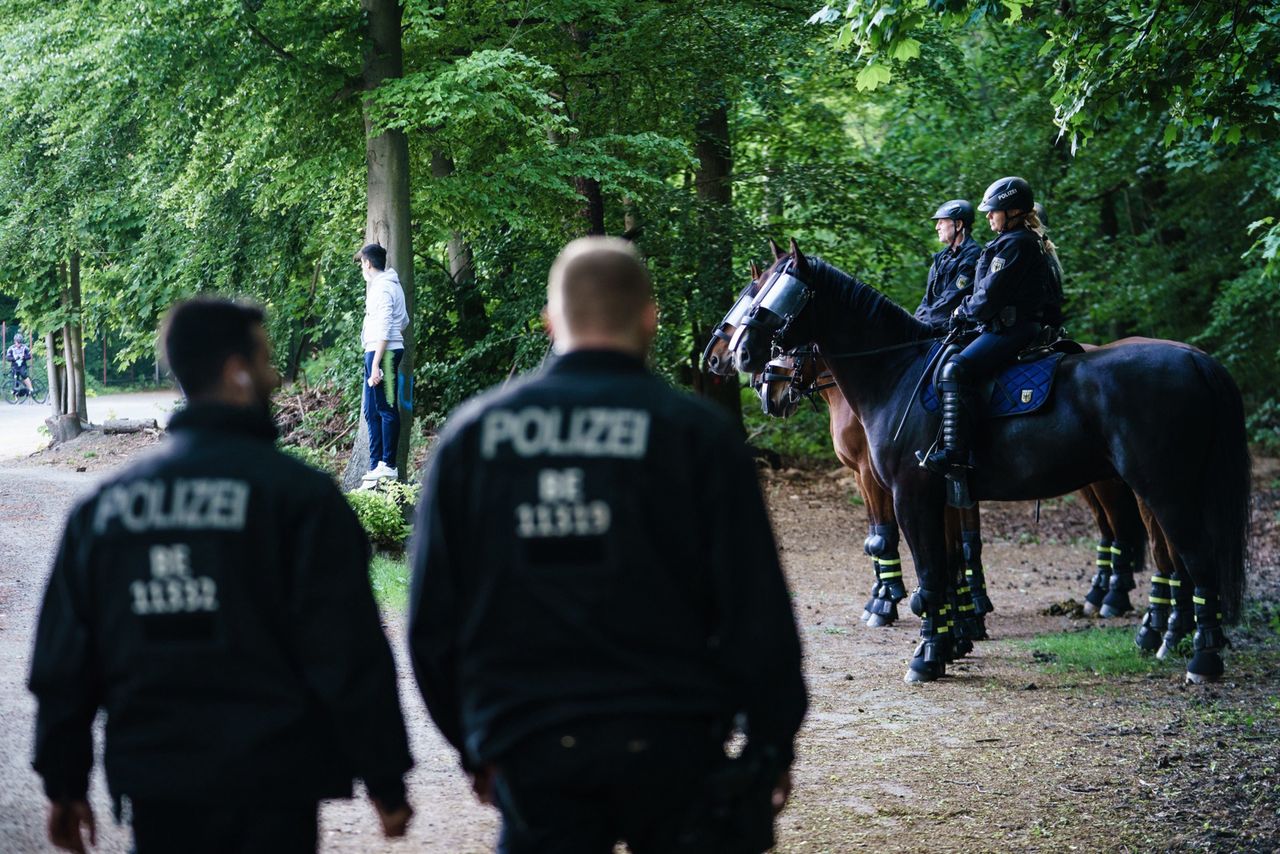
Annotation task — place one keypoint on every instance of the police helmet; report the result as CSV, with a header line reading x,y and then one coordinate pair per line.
x,y
17,338
955,209
1040,214
1007,194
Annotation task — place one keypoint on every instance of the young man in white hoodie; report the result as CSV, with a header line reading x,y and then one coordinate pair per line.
x,y
385,320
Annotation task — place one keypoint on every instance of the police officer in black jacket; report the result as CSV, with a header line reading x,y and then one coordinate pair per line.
x,y
951,275
1018,291
214,599
596,594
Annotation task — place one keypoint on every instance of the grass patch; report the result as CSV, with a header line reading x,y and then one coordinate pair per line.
x,y
1105,651
389,577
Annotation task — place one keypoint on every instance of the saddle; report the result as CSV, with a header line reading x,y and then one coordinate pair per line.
x,y
1019,389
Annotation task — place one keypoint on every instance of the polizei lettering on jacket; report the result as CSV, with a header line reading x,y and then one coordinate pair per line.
x,y
590,431
183,504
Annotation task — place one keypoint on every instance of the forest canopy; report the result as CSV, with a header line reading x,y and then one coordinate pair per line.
x,y
156,148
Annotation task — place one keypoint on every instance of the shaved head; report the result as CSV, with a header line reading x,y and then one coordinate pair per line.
x,y
599,295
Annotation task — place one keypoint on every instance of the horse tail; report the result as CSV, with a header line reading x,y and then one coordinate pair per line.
x,y
1227,495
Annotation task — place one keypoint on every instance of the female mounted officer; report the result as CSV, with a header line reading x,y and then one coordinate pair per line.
x,y
1018,290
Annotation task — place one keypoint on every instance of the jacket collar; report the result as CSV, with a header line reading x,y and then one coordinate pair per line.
x,y
221,418
595,361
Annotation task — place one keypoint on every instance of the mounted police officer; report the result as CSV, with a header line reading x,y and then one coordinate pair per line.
x,y
1017,293
596,594
951,275
213,598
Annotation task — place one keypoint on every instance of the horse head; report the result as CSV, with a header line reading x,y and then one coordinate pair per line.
x,y
716,357
788,379
770,321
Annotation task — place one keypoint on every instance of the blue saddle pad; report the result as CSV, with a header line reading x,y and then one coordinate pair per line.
x,y
1019,389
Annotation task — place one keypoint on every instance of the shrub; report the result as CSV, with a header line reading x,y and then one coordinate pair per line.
x,y
382,515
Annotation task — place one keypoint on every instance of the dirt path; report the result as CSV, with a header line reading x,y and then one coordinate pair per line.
x,y
1000,756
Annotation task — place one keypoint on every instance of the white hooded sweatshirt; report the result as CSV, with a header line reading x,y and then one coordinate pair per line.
x,y
385,318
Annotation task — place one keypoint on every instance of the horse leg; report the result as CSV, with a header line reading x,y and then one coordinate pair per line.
x,y
962,627
918,506
1128,547
1102,574
1160,600
975,579
882,546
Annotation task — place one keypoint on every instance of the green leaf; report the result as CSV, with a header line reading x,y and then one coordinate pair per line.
x,y
872,76
906,49
1170,133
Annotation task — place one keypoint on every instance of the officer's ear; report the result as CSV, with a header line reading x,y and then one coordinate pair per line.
x,y
547,323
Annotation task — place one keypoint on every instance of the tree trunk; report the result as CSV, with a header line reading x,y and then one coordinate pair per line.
x,y
473,321
592,211
713,184
52,372
77,339
387,221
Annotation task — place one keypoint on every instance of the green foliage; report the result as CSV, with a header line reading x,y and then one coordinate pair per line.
x,y
1101,650
382,515
804,438
313,457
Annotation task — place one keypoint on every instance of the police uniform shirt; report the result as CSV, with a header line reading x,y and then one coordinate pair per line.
x,y
951,278
1013,271
213,598
592,543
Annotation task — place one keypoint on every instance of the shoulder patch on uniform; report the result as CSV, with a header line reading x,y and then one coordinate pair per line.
x,y
962,282
997,264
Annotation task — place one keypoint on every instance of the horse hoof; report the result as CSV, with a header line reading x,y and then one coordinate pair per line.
x,y
1164,651
1107,611
926,673
1205,666
866,615
1200,678
1090,609
875,621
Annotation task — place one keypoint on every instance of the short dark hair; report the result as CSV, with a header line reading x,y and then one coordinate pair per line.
x,y
199,335
375,253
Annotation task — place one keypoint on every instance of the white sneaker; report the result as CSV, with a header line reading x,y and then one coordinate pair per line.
x,y
381,471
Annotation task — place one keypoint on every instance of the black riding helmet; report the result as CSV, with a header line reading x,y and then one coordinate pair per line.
x,y
956,209
1007,194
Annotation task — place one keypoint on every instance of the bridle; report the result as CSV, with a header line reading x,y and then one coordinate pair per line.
x,y
797,388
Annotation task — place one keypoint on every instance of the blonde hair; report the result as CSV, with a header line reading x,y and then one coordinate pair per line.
x,y
1032,221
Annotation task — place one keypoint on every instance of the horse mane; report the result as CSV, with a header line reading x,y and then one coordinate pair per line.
x,y
862,300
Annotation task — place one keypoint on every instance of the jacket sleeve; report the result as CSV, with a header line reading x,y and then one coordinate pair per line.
x,y
381,310
757,631
337,635
63,676
433,598
998,287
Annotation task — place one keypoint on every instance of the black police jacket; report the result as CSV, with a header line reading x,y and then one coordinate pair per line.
x,y
214,600
951,278
593,543
1014,272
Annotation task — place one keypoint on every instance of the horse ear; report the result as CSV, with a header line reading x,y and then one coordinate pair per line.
x,y
775,249
755,271
802,263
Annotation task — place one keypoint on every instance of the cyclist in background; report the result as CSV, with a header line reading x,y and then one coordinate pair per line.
x,y
19,358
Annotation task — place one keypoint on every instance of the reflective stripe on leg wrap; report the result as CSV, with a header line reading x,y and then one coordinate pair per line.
x,y
1102,577
1181,618
975,578
890,575
1206,664
1156,620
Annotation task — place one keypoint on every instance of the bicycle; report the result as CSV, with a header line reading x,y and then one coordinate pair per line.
x,y
15,391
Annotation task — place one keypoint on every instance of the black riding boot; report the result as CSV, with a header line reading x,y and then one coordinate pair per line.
x,y
952,459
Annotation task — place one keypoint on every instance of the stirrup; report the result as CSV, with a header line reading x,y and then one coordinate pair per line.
x,y
958,487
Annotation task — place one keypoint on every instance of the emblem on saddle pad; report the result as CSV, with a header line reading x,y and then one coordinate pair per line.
x,y
962,283
997,264
1026,395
